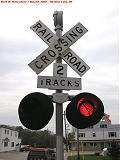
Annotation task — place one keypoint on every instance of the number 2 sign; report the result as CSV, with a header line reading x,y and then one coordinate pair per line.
x,y
60,70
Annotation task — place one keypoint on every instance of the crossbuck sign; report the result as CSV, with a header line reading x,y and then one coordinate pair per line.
x,y
59,47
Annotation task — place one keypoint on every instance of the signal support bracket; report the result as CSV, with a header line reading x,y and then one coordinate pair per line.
x,y
61,97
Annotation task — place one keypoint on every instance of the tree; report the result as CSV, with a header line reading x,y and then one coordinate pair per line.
x,y
37,138
115,151
20,130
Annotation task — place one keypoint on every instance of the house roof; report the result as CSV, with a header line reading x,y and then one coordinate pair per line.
x,y
8,127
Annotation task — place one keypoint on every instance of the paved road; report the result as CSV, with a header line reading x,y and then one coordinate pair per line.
x,y
23,155
17,156
13,156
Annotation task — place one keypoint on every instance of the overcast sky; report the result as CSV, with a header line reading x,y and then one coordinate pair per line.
x,y
19,45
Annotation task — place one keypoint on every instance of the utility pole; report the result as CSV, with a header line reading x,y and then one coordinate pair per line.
x,y
58,23
66,132
78,155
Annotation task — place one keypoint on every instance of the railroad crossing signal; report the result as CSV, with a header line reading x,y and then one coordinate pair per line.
x,y
36,109
84,110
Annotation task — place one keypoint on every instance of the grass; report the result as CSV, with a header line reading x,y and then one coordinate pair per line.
x,y
89,157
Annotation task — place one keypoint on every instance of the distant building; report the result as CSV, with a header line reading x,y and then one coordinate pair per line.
x,y
9,140
97,137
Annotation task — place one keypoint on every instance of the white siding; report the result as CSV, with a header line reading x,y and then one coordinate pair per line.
x,y
103,137
8,139
101,133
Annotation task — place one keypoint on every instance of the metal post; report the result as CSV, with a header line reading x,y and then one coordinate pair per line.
x,y
78,155
66,132
58,22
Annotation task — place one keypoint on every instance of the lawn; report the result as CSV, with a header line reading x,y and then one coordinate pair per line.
x,y
89,157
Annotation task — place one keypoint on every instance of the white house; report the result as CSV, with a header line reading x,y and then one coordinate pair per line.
x,y
9,140
97,137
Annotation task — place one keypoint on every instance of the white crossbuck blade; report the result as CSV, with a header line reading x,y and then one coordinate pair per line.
x,y
59,47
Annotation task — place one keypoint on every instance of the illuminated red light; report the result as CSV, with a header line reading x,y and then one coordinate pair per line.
x,y
86,107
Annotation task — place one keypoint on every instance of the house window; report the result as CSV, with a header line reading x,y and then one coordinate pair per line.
x,y
5,144
94,134
103,125
15,134
12,144
81,134
5,131
11,133
112,134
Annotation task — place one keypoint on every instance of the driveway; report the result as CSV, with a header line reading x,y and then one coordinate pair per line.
x,y
13,156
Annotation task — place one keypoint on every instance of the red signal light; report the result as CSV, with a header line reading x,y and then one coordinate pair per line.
x,y
84,110
86,106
